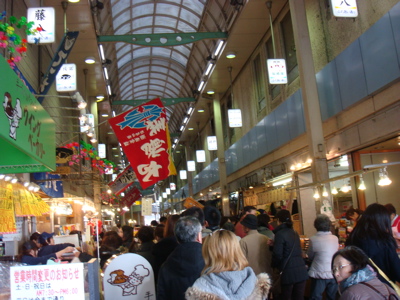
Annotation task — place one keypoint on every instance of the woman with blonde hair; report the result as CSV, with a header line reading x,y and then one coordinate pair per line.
x,y
226,274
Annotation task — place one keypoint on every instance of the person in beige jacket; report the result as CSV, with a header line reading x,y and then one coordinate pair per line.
x,y
255,246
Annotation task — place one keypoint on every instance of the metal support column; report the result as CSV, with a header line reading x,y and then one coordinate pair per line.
x,y
221,156
312,113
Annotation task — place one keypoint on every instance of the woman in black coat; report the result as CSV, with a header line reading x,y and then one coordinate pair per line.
x,y
373,234
287,257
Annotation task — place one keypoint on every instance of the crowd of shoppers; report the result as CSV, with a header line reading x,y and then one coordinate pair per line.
x,y
200,255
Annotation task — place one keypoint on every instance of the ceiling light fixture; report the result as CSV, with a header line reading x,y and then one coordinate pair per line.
x,y
73,1
104,115
100,97
219,47
230,55
210,92
90,60
101,50
201,85
200,110
316,193
384,179
208,70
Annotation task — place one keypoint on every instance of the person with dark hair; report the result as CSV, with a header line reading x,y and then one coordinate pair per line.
x,y
238,227
353,214
159,232
395,222
212,217
184,265
263,226
29,254
146,236
164,247
110,245
154,223
356,277
163,220
287,257
127,236
45,243
373,234
320,251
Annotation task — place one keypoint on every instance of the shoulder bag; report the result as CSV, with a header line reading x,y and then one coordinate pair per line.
x,y
391,295
394,285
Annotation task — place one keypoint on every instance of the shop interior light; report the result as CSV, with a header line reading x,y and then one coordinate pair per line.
x,y
345,188
362,184
324,192
2,176
14,180
93,140
109,191
210,92
384,179
334,191
7,178
316,193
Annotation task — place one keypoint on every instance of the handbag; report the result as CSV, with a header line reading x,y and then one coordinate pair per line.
x,y
391,295
394,285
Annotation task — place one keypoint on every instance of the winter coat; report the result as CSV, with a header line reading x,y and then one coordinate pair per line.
x,y
383,256
145,250
266,231
230,285
162,250
320,251
362,292
49,249
31,260
181,269
256,249
286,239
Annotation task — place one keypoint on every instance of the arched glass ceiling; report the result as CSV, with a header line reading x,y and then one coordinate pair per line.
x,y
149,72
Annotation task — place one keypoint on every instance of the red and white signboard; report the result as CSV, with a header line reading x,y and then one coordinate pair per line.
x,y
144,137
47,282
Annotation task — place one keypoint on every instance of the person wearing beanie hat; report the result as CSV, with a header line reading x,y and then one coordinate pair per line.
x,y
255,246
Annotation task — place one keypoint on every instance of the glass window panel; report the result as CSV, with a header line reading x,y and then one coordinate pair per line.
x,y
290,48
165,21
190,18
162,51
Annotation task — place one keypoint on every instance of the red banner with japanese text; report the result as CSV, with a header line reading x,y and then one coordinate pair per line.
x,y
144,137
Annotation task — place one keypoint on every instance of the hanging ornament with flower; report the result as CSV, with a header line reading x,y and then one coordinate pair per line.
x,y
10,40
86,151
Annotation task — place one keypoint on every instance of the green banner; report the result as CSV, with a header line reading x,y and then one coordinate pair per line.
x,y
27,132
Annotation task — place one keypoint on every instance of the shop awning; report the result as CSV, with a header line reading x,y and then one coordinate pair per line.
x,y
27,132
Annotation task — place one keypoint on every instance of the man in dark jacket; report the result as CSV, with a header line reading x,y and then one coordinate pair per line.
x,y
184,265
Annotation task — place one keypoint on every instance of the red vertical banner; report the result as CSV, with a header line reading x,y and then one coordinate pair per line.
x,y
144,137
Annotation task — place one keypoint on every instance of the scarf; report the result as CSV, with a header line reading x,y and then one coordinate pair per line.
x,y
362,275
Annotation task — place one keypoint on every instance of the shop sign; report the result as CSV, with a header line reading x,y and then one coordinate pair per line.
x,y
344,8
147,206
102,150
182,176
277,71
27,131
47,282
44,19
212,143
59,58
66,78
128,276
191,165
7,217
144,137
131,196
235,118
50,183
123,181
19,221
200,156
